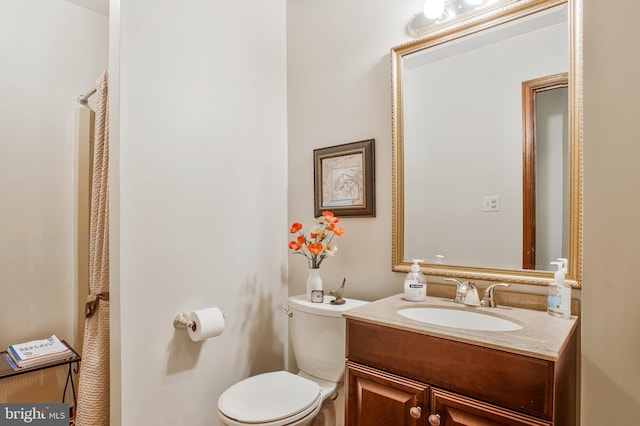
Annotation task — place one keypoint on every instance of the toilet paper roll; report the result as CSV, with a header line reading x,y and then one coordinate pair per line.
x,y
207,323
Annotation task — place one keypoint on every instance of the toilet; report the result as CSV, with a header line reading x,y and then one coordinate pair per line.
x,y
281,398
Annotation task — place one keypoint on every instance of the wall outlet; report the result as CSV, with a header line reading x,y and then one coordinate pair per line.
x,y
491,203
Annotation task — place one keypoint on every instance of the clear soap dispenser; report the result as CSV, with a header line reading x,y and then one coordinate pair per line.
x,y
559,300
415,284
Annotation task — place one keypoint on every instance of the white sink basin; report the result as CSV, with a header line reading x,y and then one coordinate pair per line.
x,y
457,318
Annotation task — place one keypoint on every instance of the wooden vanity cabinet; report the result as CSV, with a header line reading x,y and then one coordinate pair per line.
x,y
398,377
376,398
450,409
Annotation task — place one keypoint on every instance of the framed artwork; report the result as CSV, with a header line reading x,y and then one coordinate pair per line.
x,y
344,178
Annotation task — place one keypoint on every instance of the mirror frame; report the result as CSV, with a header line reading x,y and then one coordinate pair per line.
x,y
469,24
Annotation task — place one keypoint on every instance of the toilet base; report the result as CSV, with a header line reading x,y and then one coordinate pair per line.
x,y
327,415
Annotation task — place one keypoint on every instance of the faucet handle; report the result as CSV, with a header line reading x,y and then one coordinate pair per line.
x,y
458,283
488,299
461,290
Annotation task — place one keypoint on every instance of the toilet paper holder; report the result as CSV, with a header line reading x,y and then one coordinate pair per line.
x,y
182,321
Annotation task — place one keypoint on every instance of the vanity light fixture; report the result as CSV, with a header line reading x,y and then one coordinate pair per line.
x,y
433,9
437,11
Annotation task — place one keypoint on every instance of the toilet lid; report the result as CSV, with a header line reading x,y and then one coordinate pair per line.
x,y
268,397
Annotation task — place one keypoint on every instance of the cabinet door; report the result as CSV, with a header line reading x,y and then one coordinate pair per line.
x,y
449,409
376,398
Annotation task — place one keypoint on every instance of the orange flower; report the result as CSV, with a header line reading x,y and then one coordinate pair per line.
x,y
329,217
295,245
295,227
315,249
338,230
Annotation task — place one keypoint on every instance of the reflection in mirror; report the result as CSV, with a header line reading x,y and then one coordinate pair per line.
x,y
461,177
545,193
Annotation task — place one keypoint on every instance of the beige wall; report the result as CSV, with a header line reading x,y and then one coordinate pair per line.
x,y
339,91
610,312
51,52
188,92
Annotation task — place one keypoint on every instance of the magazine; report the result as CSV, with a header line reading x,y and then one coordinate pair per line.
x,y
38,352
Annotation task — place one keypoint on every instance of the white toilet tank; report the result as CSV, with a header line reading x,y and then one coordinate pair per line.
x,y
318,336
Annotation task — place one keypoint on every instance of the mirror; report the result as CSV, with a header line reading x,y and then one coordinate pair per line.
x,y
472,185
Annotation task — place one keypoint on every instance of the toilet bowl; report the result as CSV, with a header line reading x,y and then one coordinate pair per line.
x,y
281,398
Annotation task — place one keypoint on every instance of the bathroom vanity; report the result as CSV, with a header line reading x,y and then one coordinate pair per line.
x,y
403,371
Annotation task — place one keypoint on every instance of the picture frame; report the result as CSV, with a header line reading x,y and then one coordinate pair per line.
x,y
344,179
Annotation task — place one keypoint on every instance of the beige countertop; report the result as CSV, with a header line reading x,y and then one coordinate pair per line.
x,y
541,336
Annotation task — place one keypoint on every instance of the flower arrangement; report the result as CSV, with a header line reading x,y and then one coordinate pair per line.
x,y
318,245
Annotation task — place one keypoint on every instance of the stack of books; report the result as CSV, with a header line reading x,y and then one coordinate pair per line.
x,y
38,352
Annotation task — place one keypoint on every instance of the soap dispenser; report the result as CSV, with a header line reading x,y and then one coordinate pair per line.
x,y
415,284
559,300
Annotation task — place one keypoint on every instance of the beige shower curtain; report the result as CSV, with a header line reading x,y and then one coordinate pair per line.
x,y
93,388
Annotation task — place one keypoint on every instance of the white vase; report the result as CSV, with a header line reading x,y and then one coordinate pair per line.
x,y
314,282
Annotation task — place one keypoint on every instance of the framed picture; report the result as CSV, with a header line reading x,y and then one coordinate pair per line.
x,y
344,178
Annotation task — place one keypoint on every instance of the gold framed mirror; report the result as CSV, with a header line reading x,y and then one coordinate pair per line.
x,y
460,138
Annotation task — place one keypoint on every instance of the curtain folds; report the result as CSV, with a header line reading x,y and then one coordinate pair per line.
x,y
93,388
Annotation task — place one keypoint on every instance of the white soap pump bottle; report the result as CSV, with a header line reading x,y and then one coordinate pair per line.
x,y
559,300
415,284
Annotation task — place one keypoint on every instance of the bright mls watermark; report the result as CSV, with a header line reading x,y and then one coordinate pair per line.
x,y
34,414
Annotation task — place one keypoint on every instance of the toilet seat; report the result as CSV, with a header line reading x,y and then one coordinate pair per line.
x,y
274,399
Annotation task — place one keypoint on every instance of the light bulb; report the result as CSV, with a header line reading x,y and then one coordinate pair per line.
x,y
433,9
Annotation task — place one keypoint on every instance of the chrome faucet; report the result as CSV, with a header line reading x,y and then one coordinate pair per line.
x,y
488,299
467,293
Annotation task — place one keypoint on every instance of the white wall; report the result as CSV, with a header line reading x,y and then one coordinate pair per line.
x,y
199,202
51,52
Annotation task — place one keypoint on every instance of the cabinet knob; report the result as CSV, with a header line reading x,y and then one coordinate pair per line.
x,y
415,412
434,420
